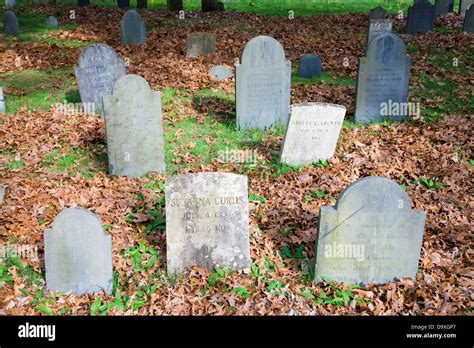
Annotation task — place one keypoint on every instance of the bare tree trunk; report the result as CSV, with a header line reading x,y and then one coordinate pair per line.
x,y
174,5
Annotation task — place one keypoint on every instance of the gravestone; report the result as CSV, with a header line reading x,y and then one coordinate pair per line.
x,y
468,26
123,3
421,18
309,66
312,133
464,6
207,221
132,29
10,24
142,3
2,194
77,253
220,72
97,71
52,22
370,235
134,128
83,2
383,78
2,101
200,43
378,13
9,4
378,27
174,5
263,85
441,7
209,5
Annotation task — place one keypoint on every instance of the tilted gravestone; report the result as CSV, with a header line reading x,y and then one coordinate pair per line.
x,y
312,133
132,29
309,66
371,235
263,80
464,6
97,71
134,128
468,26
378,13
220,72
383,79
10,24
77,253
207,221
421,18
123,3
9,4
52,22
2,101
200,43
378,27
441,7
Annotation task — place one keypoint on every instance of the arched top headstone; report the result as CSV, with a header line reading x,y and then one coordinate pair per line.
x,y
132,28
10,24
378,13
97,54
387,48
128,85
263,51
78,255
52,22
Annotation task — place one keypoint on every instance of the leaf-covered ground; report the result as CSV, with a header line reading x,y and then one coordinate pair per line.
x,y
50,161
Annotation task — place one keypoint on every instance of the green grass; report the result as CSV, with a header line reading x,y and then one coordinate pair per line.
x,y
325,79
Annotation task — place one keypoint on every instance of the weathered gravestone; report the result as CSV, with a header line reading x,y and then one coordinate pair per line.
x,y
464,6
10,24
468,26
123,3
174,5
371,235
2,101
441,7
97,71
2,194
220,72
378,27
263,85
378,13
207,221
77,253
200,43
421,18
9,4
309,66
132,29
134,128
52,22
312,133
383,79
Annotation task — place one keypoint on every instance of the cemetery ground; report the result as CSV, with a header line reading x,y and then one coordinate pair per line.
x,y
50,160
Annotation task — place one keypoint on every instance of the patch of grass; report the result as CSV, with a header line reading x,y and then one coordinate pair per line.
x,y
325,79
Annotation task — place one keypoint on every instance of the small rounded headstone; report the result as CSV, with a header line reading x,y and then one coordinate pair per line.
x,y
220,72
52,22
10,24
309,66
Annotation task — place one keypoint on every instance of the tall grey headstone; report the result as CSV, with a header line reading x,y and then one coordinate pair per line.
x,y
421,18
442,7
78,255
371,235
312,133
200,43
378,13
378,27
132,29
263,80
134,128
9,4
207,221
464,6
468,26
10,24
97,71
52,22
2,101
383,79
309,66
